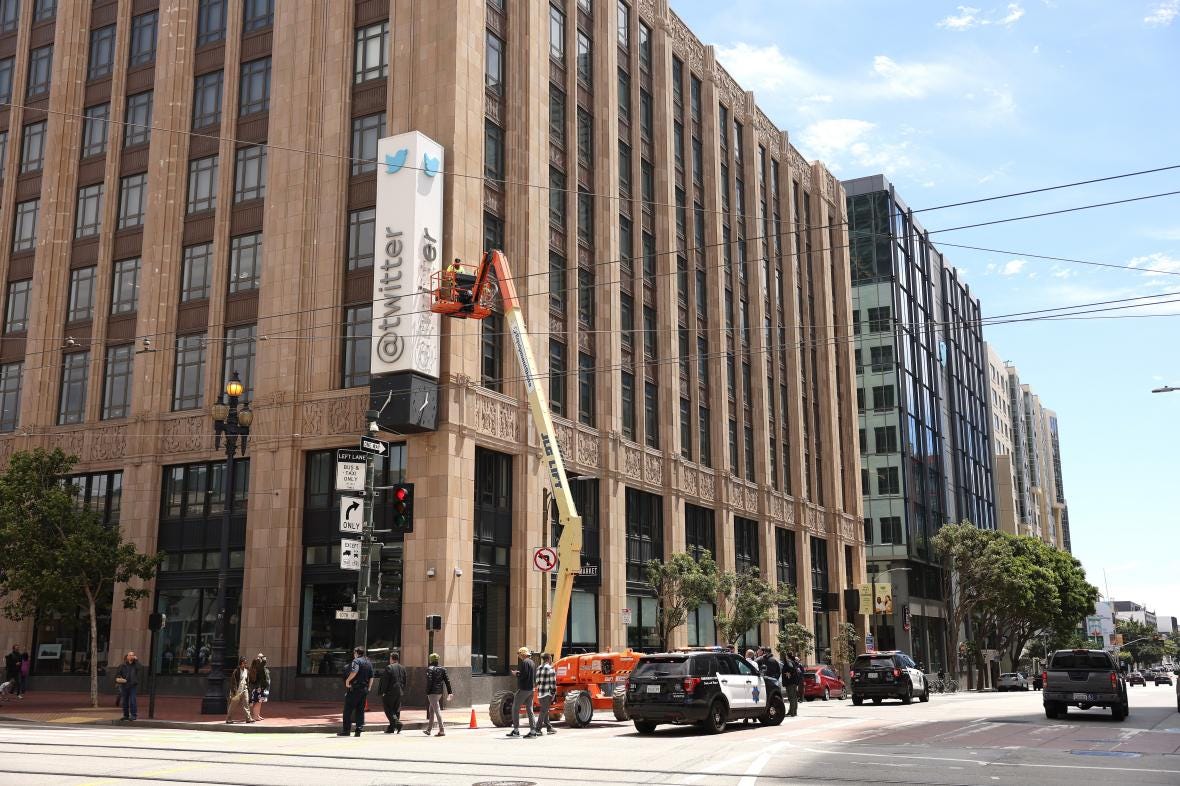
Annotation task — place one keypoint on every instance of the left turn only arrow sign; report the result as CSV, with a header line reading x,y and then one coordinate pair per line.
x,y
352,513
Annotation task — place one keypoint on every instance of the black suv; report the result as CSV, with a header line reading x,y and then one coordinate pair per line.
x,y
887,675
706,687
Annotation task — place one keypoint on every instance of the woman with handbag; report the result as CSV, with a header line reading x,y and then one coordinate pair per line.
x,y
239,692
127,678
259,686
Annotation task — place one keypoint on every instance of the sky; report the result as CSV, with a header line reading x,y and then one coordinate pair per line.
x,y
958,102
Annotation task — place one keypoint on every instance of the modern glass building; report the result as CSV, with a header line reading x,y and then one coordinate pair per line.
x,y
922,395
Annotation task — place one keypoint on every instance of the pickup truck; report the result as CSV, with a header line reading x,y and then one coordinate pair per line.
x,y
1084,679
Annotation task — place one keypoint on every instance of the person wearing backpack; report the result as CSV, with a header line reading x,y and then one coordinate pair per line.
x,y
792,681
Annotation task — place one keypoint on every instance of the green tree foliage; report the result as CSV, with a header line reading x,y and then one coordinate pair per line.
x,y
681,584
745,599
792,636
57,554
1142,642
844,640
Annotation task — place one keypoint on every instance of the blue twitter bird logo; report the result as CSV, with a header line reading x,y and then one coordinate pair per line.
x,y
395,162
429,165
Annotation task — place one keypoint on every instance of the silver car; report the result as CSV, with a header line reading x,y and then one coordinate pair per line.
x,y
1012,681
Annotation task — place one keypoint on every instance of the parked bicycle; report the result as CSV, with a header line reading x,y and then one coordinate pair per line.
x,y
941,684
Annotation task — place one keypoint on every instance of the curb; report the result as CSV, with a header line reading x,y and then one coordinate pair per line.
x,y
234,728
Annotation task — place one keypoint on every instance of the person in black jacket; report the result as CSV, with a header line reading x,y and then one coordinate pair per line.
x,y
356,686
436,680
127,678
769,665
792,681
526,677
390,689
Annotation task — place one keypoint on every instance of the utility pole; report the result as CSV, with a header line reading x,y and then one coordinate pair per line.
x,y
366,572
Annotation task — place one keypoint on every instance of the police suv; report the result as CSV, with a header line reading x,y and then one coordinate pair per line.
x,y
708,687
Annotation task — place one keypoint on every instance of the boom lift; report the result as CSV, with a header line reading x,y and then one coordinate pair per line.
x,y
584,682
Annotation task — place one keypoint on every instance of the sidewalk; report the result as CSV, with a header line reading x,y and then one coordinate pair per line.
x,y
184,712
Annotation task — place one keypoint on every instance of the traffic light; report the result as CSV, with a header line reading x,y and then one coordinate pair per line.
x,y
403,507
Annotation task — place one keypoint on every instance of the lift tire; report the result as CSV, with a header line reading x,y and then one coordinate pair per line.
x,y
500,709
579,709
620,706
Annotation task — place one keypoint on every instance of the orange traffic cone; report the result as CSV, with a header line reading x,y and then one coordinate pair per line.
x,y
473,724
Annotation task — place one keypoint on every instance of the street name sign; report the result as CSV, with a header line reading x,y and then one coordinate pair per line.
x,y
352,513
347,613
350,470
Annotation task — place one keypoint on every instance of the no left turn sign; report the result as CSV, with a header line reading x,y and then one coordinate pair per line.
x,y
544,559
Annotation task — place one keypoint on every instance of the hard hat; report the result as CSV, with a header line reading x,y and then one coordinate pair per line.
x,y
523,651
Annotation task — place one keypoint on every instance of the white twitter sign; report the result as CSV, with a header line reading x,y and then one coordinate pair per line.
x,y
408,249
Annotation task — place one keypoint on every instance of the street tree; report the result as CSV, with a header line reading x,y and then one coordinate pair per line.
x,y
845,637
56,553
792,636
682,583
971,559
1142,642
744,600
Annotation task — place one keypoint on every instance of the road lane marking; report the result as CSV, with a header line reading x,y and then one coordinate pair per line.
x,y
751,775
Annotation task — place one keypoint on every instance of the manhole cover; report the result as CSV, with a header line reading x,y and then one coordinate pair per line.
x,y
1108,754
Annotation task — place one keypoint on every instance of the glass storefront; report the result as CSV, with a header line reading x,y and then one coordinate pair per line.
x,y
185,643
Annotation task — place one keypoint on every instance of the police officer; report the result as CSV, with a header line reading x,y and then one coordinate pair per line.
x,y
356,687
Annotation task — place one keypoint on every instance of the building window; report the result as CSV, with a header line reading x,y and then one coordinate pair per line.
x,y
888,480
784,556
556,116
650,333
585,63
885,438
365,133
883,397
686,428
700,532
202,184
645,532
556,34
9,15
881,358
257,15
207,99
491,358
197,266
88,218
254,96
705,436
250,173
651,414
143,38
745,544
557,291
645,49
44,10
81,305
585,297
40,71
491,545
645,114
132,200
557,198
189,377
24,226
239,356
891,530
362,228
95,130
245,262
210,22
624,25
557,369
32,152
6,71
16,309
125,286
72,403
494,64
585,137
624,96
585,389
628,391
358,332
10,379
116,392
879,319
371,53
138,120
749,452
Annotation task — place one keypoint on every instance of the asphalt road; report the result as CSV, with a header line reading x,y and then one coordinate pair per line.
x,y
960,739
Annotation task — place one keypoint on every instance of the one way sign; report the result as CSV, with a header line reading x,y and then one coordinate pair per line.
x,y
370,445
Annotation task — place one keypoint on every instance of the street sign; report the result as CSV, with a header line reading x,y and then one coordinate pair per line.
x,y
377,446
588,570
350,554
626,615
352,513
347,613
544,559
870,643
350,470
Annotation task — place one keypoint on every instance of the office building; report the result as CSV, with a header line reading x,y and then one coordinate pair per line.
x,y
190,189
922,390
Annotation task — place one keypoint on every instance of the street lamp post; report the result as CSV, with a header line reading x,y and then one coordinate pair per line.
x,y
873,592
232,423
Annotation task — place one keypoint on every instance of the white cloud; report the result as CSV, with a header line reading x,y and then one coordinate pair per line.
x,y
1012,267
969,17
1157,264
1163,14
767,68
1166,233
848,142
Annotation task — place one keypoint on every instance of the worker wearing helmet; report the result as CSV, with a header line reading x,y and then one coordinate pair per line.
x,y
526,675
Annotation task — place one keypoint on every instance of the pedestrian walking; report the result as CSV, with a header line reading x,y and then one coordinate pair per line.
x,y
390,689
526,678
12,671
259,685
238,691
546,692
356,692
127,678
436,680
25,665
792,680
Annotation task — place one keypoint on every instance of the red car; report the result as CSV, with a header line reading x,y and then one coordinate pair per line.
x,y
821,682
